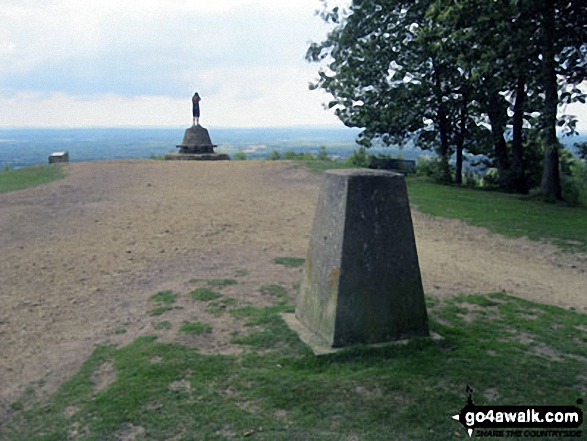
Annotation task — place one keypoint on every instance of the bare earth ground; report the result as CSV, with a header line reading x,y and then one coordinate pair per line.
x,y
81,258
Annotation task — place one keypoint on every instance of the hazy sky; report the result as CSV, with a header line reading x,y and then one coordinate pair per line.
x,y
113,62
121,63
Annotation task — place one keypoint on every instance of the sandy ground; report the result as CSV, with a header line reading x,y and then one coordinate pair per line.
x,y
82,256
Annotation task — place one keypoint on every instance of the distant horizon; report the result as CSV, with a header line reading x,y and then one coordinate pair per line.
x,y
222,127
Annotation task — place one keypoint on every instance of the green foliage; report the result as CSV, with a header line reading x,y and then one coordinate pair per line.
x,y
574,183
323,154
430,166
239,156
490,179
159,157
274,156
359,158
438,73
581,150
21,178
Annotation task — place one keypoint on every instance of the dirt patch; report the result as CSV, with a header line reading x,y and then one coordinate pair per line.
x,y
104,376
81,258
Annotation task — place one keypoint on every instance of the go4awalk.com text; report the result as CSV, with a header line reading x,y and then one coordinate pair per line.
x,y
521,421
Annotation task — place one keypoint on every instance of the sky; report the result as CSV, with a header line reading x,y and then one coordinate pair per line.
x,y
81,63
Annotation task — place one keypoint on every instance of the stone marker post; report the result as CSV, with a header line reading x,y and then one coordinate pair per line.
x,y
362,280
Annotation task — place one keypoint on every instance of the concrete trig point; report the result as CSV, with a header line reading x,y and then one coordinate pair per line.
x,y
362,280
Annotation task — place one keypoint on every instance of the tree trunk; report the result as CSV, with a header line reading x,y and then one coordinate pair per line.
x,y
460,140
443,128
497,117
519,176
550,185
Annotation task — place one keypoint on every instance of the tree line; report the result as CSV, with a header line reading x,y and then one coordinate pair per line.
x,y
485,76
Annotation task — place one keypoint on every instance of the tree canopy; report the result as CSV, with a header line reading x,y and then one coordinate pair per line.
x,y
451,75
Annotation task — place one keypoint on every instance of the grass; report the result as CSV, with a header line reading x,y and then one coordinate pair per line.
x,y
195,328
166,297
163,325
19,179
204,294
221,305
510,351
164,301
276,291
507,214
221,283
290,262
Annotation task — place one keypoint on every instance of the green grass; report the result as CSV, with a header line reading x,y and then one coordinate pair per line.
x,y
221,283
166,297
290,262
195,328
163,325
507,214
204,294
276,291
510,351
164,301
18,179
221,305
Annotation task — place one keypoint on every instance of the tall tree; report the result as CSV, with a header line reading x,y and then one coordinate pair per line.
x,y
387,74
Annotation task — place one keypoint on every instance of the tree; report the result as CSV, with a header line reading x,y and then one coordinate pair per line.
x,y
439,71
387,74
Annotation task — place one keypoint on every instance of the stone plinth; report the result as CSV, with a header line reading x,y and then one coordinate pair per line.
x,y
197,156
362,280
196,145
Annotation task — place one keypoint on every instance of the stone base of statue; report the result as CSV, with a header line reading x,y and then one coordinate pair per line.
x,y
197,156
196,146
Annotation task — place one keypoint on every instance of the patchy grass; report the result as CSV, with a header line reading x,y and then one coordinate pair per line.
x,y
204,294
164,301
163,325
21,178
221,305
166,297
276,291
510,351
195,328
241,272
290,262
221,283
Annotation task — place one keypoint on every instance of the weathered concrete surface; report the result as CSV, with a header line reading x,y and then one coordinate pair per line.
x,y
362,280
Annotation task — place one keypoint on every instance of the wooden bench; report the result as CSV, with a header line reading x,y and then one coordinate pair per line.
x,y
403,166
58,157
